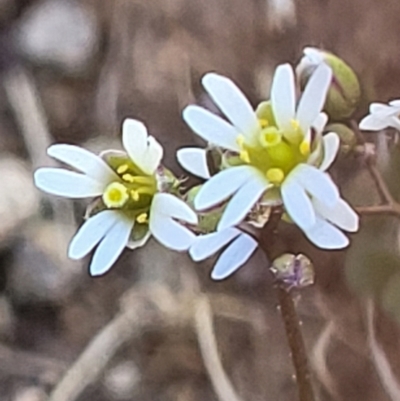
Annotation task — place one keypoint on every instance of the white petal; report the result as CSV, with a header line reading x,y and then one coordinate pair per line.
x,y
170,233
341,214
211,128
134,138
233,104
242,201
86,162
283,97
112,245
222,185
235,256
316,183
90,233
313,98
373,123
66,183
381,109
208,244
395,103
326,236
320,122
315,55
144,150
297,204
167,205
194,160
331,143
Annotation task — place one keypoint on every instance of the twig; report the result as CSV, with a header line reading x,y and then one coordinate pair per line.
x,y
24,100
385,372
390,205
136,316
296,344
209,350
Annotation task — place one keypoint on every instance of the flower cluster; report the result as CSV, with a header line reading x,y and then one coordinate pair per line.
x,y
276,155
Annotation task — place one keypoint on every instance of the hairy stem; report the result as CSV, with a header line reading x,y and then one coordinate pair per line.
x,y
296,344
289,314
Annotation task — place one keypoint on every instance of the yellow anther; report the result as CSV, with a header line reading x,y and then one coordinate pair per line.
x,y
142,218
244,155
305,148
240,140
275,175
123,168
263,122
295,124
128,178
115,195
135,195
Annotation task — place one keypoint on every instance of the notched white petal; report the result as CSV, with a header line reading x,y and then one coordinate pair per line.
x,y
194,160
233,104
298,204
168,205
84,161
211,128
331,143
242,201
170,233
91,233
206,245
313,98
283,97
326,236
112,245
316,183
235,256
341,214
144,150
222,185
66,183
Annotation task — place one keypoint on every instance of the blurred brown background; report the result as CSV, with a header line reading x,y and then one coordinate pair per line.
x,y
70,71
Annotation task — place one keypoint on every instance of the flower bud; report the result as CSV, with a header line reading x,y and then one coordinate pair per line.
x,y
294,271
344,94
348,139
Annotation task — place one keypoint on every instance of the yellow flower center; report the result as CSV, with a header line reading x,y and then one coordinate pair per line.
x,y
276,152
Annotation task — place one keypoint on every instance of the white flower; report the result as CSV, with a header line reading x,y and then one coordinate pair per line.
x,y
382,116
238,252
131,206
278,146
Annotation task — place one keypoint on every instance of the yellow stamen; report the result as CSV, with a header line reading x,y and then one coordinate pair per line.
x,y
123,168
142,218
128,178
244,155
263,122
135,195
305,148
295,124
240,140
143,180
275,175
115,195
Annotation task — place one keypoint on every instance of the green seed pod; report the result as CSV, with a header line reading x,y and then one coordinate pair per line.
x,y
344,94
348,139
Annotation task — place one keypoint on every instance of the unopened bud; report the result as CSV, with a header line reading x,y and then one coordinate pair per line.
x,y
348,139
344,94
294,271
